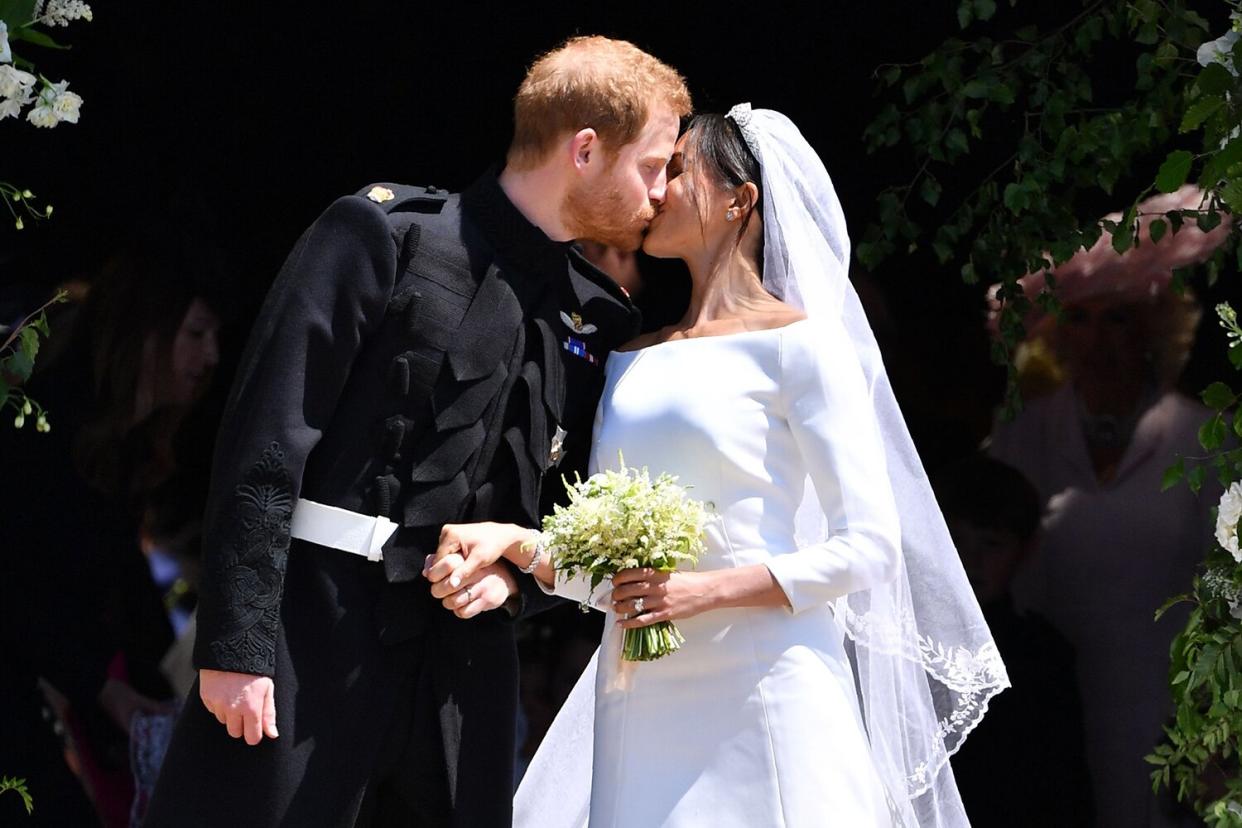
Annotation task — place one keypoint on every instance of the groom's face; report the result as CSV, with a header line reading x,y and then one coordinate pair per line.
x,y
616,204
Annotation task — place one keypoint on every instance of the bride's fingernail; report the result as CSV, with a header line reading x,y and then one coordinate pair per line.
x,y
455,581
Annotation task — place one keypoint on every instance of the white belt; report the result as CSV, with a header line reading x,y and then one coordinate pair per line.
x,y
341,529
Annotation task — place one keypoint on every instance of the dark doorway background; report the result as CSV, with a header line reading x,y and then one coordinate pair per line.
x,y
240,122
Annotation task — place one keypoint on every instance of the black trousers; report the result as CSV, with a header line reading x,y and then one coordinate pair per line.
x,y
409,786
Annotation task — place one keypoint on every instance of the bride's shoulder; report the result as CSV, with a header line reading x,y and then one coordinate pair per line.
x,y
782,316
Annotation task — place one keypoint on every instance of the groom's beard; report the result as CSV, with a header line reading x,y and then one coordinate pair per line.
x,y
599,214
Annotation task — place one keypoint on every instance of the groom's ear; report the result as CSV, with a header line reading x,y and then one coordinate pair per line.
x,y
584,147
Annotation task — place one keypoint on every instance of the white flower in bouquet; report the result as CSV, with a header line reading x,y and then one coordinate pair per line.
x,y
12,107
6,51
42,115
623,519
66,104
64,12
55,104
1227,516
15,91
14,83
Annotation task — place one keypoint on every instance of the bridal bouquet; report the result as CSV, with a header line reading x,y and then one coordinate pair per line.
x,y
623,519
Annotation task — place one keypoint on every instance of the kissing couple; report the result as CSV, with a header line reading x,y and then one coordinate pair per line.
x,y
426,369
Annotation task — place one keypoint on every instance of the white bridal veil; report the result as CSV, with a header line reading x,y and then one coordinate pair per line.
x,y
924,660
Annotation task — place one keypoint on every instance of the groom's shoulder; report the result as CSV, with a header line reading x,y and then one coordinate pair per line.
x,y
402,202
431,211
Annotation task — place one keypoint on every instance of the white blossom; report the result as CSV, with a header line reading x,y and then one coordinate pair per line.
x,y
14,83
12,107
1218,583
1220,50
1228,514
54,105
6,53
66,106
63,12
42,116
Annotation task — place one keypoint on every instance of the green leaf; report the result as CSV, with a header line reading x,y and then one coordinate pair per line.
x,y
36,37
1219,163
1015,197
984,9
1231,194
1199,112
1173,171
1218,396
965,13
19,365
1212,434
956,140
976,88
1214,80
1173,475
1157,229
1195,478
29,341
930,190
1208,221
17,13
1235,355
1123,236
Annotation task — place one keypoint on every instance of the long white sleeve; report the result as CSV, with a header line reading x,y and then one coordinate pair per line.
x,y
825,397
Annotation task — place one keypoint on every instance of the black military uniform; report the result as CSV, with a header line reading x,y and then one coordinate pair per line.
x,y
421,356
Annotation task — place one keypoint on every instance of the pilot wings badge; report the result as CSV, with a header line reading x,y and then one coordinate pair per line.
x,y
574,322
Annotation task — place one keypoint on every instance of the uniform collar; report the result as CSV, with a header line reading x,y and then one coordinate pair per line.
x,y
511,233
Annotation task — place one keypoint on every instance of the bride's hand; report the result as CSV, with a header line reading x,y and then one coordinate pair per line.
x,y
664,596
479,544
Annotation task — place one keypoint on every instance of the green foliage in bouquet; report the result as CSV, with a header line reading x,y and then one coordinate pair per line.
x,y
623,519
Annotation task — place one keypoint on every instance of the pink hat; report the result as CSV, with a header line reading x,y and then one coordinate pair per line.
x,y
1141,273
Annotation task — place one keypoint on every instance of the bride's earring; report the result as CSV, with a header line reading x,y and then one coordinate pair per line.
x,y
731,214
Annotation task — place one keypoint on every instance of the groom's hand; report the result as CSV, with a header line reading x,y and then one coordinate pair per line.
x,y
244,703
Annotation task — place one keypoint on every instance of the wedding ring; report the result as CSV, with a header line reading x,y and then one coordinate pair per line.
x,y
469,597
638,606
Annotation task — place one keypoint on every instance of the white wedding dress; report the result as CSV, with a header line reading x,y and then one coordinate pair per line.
x,y
755,721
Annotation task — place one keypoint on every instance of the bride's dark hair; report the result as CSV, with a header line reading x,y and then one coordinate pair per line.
x,y
715,141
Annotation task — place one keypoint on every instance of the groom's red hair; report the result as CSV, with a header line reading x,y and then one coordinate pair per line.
x,y
597,82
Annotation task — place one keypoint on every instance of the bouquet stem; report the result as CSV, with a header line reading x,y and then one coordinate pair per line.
x,y
650,643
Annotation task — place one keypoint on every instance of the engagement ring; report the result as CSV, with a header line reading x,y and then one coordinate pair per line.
x,y
638,606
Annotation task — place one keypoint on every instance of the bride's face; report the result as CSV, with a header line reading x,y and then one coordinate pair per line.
x,y
692,217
